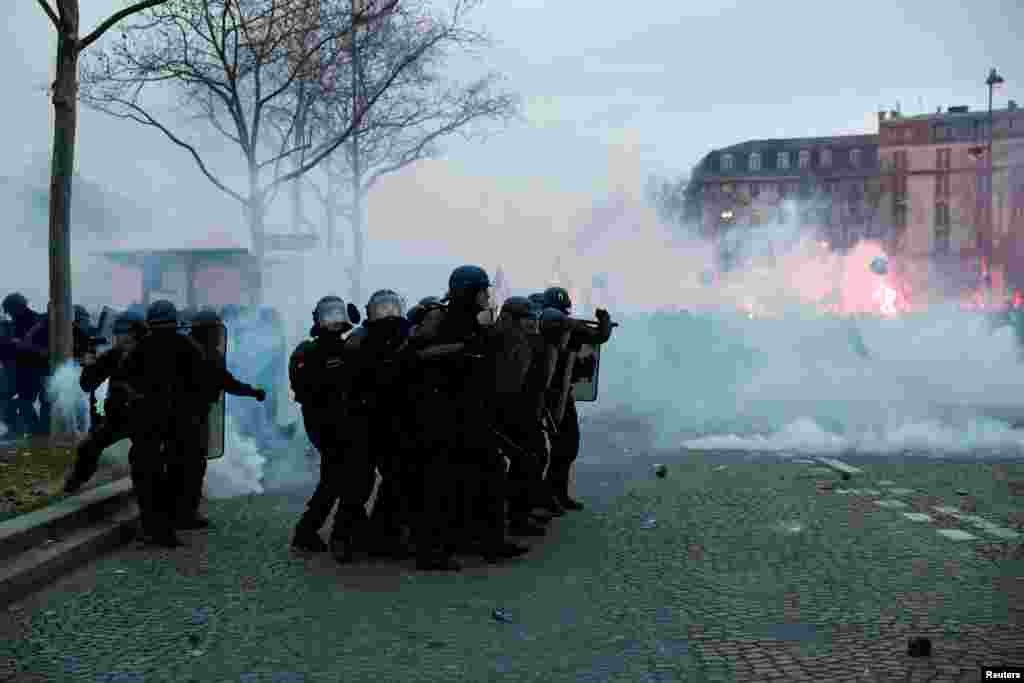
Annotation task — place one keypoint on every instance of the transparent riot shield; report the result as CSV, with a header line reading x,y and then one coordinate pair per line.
x,y
586,373
213,338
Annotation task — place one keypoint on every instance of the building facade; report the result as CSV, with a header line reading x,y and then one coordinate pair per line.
x,y
957,223
760,191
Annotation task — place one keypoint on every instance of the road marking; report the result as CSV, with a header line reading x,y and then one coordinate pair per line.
x,y
956,534
917,517
900,492
891,503
979,522
840,465
886,482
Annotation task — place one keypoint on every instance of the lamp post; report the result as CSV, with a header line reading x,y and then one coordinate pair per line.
x,y
992,81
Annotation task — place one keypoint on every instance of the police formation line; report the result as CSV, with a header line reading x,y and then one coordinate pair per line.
x,y
465,414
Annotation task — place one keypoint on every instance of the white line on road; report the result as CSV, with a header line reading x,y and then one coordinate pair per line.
x,y
840,465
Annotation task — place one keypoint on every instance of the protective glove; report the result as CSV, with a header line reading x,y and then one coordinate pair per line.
x,y
260,395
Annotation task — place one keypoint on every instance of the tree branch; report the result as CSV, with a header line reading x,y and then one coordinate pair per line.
x,y
145,119
50,13
114,18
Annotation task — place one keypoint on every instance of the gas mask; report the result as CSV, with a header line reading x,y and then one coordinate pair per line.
x,y
488,303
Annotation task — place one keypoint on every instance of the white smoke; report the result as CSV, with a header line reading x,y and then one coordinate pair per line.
x,y
239,471
68,399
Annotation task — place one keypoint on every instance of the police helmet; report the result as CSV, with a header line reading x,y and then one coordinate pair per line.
x,y
516,307
553,315
15,303
385,303
129,322
162,313
557,297
207,316
415,314
333,309
467,279
430,301
82,316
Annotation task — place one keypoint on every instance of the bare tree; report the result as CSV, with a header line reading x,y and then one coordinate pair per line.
x,y
423,106
245,68
65,109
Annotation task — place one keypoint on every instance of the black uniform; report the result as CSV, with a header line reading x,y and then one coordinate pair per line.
x,y
168,370
381,361
119,411
321,380
565,446
186,476
464,475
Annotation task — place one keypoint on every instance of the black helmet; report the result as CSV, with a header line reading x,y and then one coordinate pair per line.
x,y
467,279
81,314
385,303
206,316
14,303
162,313
553,315
429,300
129,322
350,312
557,297
415,314
517,307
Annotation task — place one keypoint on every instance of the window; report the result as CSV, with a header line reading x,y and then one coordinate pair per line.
x,y
782,160
783,189
755,189
908,134
942,185
901,159
726,162
755,161
770,188
942,215
900,216
826,157
727,188
805,158
942,158
855,157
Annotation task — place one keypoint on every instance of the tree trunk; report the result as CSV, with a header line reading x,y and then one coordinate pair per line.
x,y
298,218
256,215
358,243
65,99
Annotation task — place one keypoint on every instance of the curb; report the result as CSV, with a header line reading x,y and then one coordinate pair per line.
x,y
38,547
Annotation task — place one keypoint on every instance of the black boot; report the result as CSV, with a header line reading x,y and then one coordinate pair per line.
x,y
349,525
494,554
308,540
524,527
437,562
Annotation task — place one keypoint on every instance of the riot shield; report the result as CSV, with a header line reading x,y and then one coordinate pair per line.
x,y
565,386
212,337
585,376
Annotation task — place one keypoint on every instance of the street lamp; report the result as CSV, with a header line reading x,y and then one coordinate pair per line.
x,y
992,81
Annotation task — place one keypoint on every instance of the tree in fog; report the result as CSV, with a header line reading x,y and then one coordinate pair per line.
x,y
65,20
423,106
669,198
243,68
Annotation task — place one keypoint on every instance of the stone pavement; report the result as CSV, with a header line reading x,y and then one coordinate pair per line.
x,y
730,568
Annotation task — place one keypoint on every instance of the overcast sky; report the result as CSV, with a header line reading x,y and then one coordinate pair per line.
x,y
612,91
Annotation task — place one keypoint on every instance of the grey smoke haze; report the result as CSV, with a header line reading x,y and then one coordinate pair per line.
x,y
610,97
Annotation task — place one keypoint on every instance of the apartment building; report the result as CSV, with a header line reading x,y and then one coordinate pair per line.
x,y
954,223
826,185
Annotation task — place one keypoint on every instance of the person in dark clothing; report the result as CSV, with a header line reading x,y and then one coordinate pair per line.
x,y
566,445
31,358
464,468
169,374
380,397
120,404
320,374
186,476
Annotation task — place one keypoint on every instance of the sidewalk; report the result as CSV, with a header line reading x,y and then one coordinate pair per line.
x,y
727,569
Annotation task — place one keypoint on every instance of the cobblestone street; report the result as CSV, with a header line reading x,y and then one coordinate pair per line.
x,y
730,568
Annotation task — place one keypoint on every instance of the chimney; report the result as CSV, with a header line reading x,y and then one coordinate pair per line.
x,y
1012,105
881,117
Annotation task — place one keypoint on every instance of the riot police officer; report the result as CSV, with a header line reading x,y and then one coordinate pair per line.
x,y
321,379
120,404
464,469
168,370
186,476
566,445
380,399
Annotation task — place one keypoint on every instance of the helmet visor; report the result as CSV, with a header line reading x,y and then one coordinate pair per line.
x,y
333,314
385,306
